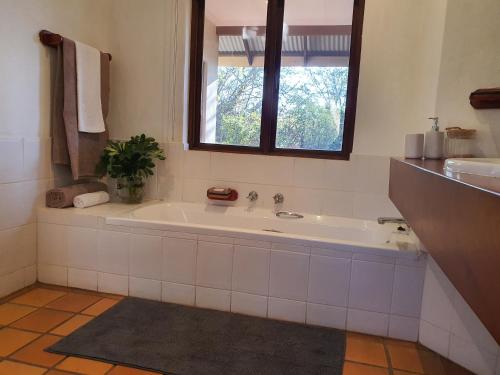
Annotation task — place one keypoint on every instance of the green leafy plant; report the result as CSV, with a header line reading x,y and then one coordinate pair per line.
x,y
130,162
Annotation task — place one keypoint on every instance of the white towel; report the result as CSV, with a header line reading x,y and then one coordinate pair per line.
x,y
88,88
90,199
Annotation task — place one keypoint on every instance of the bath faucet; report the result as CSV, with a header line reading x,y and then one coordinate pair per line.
x,y
253,196
278,198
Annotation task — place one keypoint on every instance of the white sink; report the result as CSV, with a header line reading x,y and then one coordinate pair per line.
x,y
479,171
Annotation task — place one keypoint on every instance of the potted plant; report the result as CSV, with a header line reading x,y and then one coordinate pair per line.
x,y
131,163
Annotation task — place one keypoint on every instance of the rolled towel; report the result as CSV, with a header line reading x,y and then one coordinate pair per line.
x,y
90,199
63,196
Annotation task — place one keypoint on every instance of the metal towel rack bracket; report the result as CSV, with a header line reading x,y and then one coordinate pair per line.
x,y
53,40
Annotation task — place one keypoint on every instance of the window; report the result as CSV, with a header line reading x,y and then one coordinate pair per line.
x,y
275,77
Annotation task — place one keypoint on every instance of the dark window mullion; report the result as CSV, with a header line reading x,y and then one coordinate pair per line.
x,y
272,64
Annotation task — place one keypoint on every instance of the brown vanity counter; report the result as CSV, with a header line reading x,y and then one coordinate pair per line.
x,y
459,223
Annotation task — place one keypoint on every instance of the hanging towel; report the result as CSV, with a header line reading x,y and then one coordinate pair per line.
x,y
88,87
90,199
81,151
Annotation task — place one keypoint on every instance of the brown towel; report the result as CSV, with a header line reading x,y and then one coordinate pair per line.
x,y
81,151
63,197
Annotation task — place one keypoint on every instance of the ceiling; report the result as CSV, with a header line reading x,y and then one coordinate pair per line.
x,y
297,12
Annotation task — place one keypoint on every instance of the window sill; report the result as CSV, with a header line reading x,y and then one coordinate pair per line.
x,y
313,154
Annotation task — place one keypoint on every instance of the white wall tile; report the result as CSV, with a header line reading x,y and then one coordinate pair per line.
x,y
50,274
326,316
304,201
291,248
372,323
144,288
403,328
371,286
30,275
251,270
470,356
466,325
371,206
283,309
434,338
37,159
11,282
372,174
146,257
329,280
308,173
216,299
82,248
82,279
337,203
339,175
408,288
289,275
437,302
110,283
214,265
249,304
178,293
197,164
270,170
11,167
113,252
52,244
179,260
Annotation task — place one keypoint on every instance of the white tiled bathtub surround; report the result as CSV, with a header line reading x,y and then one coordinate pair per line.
x,y
25,175
450,327
356,188
376,291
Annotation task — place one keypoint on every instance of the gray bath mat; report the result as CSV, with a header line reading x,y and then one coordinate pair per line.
x,y
183,340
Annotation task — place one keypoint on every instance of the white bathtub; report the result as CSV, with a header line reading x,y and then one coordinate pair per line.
x,y
320,270
262,224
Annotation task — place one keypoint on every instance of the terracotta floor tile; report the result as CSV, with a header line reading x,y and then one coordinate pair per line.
x,y
122,370
38,297
13,339
72,325
431,363
11,368
101,306
398,372
451,368
406,358
58,372
359,369
10,313
84,366
365,349
73,302
42,320
34,353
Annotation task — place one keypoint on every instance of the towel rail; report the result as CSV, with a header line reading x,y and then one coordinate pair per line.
x,y
53,40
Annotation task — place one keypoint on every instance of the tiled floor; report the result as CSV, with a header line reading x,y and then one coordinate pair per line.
x,y
38,317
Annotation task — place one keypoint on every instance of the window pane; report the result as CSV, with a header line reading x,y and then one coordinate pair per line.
x,y
233,73
314,72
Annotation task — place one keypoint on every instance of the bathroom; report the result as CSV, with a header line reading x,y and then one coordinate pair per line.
x,y
400,296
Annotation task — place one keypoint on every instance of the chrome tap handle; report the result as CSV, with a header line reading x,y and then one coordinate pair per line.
x,y
253,196
278,198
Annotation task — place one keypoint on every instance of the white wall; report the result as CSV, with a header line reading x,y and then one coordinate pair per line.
x,y
449,326
470,61
25,76
399,71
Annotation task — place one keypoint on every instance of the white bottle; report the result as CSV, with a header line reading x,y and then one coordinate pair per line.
x,y
434,141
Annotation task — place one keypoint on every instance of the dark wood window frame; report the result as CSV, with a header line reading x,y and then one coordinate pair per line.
x,y
272,65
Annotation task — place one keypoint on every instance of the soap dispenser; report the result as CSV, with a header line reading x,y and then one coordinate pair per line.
x,y
434,141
